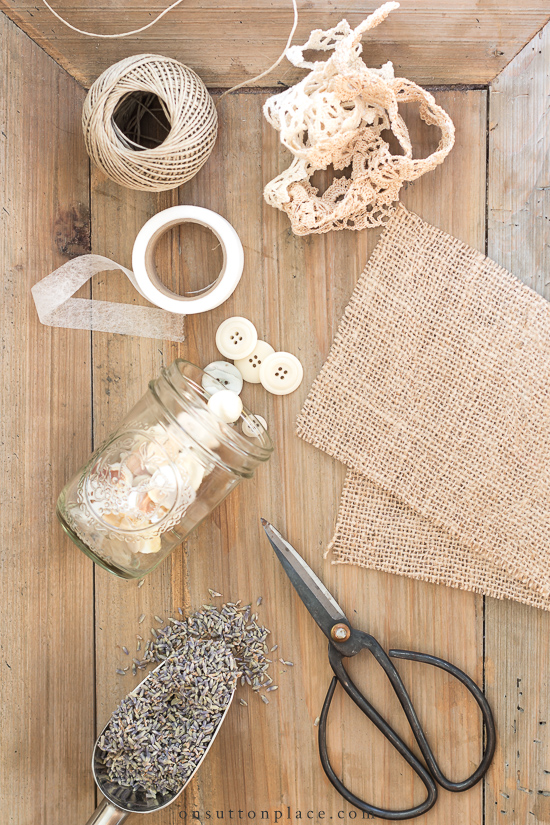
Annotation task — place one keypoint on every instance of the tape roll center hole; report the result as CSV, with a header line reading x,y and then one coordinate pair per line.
x,y
188,259
141,120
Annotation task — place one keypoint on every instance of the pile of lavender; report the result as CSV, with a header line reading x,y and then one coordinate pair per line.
x,y
161,730
237,626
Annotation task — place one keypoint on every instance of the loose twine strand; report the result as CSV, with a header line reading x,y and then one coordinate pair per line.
x,y
159,16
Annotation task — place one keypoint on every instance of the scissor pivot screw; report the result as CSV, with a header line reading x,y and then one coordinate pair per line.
x,y
340,632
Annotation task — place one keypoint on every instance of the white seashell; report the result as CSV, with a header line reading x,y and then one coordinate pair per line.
x,y
133,522
152,453
132,500
126,475
113,518
165,476
124,550
191,469
166,438
117,551
149,545
164,496
199,433
156,495
141,479
134,462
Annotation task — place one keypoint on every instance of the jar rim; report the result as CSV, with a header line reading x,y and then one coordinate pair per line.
x,y
259,450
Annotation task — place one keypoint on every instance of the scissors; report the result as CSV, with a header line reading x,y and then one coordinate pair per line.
x,y
345,641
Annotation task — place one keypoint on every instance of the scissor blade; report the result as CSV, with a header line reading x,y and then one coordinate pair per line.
x,y
322,606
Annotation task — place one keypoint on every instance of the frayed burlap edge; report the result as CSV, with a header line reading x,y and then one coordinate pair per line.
x,y
336,416
373,527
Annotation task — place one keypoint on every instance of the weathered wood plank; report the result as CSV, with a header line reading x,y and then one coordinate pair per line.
x,y
517,652
430,42
46,606
297,305
122,367
295,291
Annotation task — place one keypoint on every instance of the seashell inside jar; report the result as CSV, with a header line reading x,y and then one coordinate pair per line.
x,y
166,467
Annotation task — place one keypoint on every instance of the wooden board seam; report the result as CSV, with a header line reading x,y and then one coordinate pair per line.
x,y
538,33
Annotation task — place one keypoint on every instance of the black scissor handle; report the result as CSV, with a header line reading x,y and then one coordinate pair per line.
x,y
364,640
489,722
341,675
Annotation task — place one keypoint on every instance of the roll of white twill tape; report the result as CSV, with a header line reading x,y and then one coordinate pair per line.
x,y
56,307
145,272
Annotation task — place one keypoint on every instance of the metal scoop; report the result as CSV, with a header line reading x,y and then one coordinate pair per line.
x,y
120,802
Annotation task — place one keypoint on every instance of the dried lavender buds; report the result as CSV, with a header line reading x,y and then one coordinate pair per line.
x,y
235,625
162,729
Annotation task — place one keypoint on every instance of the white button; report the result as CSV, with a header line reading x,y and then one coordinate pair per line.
x,y
236,337
250,426
249,367
226,374
281,373
226,405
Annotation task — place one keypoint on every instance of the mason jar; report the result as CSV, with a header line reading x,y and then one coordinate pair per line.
x,y
159,474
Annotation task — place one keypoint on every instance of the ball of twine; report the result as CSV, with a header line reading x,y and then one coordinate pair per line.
x,y
189,110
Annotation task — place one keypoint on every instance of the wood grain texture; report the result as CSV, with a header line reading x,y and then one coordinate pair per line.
x,y
295,291
518,659
431,41
46,603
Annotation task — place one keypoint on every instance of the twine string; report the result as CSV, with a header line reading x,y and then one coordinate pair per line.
x,y
159,16
185,103
274,65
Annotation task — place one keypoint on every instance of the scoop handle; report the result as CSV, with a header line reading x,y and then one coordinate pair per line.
x,y
107,814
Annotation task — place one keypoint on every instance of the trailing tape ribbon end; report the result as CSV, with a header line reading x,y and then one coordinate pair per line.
x,y
57,308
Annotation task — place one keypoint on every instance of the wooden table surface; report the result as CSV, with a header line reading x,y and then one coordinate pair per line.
x,y
64,620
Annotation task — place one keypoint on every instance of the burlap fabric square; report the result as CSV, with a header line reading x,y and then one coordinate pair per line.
x,y
436,395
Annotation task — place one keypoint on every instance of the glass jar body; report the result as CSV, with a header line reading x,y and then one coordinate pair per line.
x,y
158,475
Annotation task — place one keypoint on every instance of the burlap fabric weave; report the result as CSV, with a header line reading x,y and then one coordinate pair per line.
x,y
436,395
